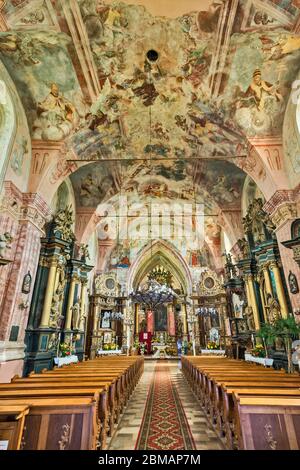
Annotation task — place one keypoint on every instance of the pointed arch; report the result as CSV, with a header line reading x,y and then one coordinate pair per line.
x,y
160,252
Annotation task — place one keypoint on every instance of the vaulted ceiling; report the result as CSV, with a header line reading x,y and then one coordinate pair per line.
x,y
165,122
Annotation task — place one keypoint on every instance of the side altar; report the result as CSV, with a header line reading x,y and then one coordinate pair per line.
x,y
59,304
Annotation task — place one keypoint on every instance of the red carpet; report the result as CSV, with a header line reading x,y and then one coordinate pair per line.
x,y
164,425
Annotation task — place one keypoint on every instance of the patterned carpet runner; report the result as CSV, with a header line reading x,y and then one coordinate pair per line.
x,y
164,425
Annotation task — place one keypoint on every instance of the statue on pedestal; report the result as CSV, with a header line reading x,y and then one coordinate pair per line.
x,y
76,316
273,309
82,320
249,318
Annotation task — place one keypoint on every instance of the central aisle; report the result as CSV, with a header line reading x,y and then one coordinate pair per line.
x,y
163,414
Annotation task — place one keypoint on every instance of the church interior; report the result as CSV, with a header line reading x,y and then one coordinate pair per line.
x,y
149,225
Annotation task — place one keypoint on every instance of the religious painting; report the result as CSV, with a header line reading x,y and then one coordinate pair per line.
x,y
26,286
105,319
295,230
161,318
107,337
293,283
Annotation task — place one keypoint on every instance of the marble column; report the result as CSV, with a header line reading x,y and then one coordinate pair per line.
x,y
52,277
136,318
253,302
171,320
83,304
280,290
267,280
96,309
68,323
263,303
184,320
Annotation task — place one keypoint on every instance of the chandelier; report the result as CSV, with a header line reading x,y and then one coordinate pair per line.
x,y
161,275
152,294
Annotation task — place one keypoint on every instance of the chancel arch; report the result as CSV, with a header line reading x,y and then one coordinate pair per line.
x,y
156,253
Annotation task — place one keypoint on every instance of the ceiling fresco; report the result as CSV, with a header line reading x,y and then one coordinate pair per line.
x,y
196,97
215,184
37,60
153,106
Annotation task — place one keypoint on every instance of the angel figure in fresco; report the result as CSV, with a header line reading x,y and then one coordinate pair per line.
x,y
86,186
258,89
57,104
57,116
221,191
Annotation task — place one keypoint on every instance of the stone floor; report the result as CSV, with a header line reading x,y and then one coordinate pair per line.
x,y
125,435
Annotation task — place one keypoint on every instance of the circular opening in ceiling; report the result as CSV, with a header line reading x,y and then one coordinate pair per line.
x,y
152,55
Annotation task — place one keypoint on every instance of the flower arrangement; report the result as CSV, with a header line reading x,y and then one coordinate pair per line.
x,y
109,347
258,351
142,348
212,345
65,349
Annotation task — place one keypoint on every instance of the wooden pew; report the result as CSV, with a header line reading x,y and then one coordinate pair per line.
x,y
267,423
223,404
216,381
58,423
91,393
110,382
228,412
12,418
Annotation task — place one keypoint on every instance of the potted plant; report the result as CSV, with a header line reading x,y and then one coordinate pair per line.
x,y
285,328
288,330
268,335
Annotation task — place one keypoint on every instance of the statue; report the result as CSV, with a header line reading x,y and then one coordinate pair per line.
x,y
84,252
293,283
5,241
258,221
57,116
179,329
228,259
55,310
82,319
273,309
63,221
249,318
244,247
76,316
52,343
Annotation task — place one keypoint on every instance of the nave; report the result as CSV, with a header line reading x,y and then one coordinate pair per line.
x,y
129,403
136,426
149,217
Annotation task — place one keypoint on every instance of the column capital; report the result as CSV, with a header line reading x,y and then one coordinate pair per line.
x,y
274,265
24,207
282,206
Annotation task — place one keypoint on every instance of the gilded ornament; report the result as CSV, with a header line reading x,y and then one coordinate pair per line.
x,y
63,221
65,437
